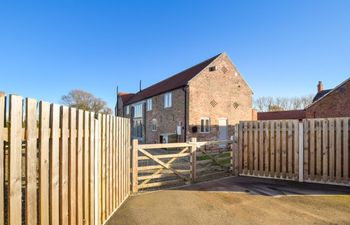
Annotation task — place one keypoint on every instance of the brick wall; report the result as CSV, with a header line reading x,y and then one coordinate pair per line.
x,y
167,118
336,104
218,94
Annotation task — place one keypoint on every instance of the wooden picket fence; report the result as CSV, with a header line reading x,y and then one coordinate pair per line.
x,y
315,150
60,165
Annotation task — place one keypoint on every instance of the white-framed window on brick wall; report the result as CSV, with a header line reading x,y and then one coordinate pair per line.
x,y
154,125
205,125
149,104
168,100
138,110
127,110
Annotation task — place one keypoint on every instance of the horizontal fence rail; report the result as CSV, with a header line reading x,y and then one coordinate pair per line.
x,y
50,159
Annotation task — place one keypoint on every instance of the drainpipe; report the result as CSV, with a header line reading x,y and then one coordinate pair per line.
x,y
185,106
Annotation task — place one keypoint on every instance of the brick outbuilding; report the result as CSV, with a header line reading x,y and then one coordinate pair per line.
x,y
330,103
204,101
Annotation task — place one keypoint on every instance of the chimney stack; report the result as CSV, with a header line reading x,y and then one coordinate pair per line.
x,y
320,87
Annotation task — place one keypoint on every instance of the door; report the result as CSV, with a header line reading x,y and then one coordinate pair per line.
x,y
223,129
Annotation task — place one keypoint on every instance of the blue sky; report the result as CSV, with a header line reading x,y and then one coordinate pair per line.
x,y
282,48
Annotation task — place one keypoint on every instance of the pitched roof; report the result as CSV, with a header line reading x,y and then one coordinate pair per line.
x,y
282,115
328,93
320,94
125,96
176,81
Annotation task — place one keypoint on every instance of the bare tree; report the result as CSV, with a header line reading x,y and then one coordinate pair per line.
x,y
266,104
86,101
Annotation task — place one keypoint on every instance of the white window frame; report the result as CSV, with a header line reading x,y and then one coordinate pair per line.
x,y
149,104
138,110
204,130
127,110
168,100
154,125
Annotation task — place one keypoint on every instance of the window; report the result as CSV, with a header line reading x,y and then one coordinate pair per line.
x,y
154,125
149,104
138,110
167,100
127,110
212,68
205,125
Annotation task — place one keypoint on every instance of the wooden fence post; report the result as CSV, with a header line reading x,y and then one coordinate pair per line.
x,y
193,160
235,151
135,149
301,152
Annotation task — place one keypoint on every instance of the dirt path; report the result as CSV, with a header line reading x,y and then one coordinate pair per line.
x,y
175,207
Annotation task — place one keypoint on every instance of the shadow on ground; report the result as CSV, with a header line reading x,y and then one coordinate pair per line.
x,y
239,200
267,187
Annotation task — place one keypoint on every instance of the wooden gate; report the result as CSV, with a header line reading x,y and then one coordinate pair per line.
x,y
165,165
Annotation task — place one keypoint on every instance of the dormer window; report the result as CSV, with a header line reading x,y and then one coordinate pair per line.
x,y
212,68
127,110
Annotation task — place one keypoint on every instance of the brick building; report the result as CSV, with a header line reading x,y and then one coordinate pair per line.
x,y
327,103
203,101
330,103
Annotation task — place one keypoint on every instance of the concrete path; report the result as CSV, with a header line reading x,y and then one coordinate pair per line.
x,y
239,200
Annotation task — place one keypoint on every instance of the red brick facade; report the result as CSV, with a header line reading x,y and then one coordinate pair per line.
x,y
335,104
217,92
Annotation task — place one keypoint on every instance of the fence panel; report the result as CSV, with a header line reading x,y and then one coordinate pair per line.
x,y
326,150
320,153
48,161
115,159
269,149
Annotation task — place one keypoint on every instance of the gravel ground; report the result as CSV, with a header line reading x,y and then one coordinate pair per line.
x,y
238,200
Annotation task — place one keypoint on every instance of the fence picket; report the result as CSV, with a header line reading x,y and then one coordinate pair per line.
x,y
312,149
338,149
290,149
80,197
266,149
15,157
92,167
261,148
31,157
284,148
44,163
346,150
296,150
64,161
72,167
86,172
54,165
331,150
318,150
272,149
325,150
278,148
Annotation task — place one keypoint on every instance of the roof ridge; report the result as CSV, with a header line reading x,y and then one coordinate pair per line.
x,y
210,59
173,82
